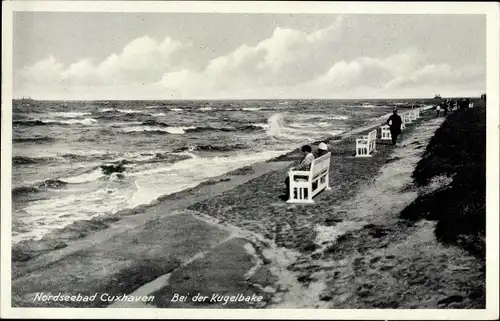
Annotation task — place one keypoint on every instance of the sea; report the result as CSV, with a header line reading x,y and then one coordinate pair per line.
x,y
73,160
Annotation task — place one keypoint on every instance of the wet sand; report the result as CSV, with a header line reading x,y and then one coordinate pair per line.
x,y
235,235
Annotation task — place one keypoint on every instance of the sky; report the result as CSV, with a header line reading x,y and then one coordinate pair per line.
x,y
84,56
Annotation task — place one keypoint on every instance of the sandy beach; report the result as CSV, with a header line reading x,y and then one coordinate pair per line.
x,y
234,236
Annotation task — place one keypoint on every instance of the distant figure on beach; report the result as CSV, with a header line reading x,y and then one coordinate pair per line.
x,y
471,105
445,110
394,123
305,165
322,150
438,109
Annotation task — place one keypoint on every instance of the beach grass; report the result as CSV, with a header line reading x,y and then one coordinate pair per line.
x,y
457,150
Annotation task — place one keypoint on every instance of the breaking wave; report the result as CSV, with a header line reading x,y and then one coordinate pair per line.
x,y
69,114
157,129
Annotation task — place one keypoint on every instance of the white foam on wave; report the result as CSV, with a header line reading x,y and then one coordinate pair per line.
x,y
339,117
170,130
205,108
365,105
127,123
69,114
86,121
85,177
299,132
263,126
153,183
157,114
176,109
57,212
251,108
129,111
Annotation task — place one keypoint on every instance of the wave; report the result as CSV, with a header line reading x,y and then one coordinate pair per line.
x,y
96,173
116,169
312,119
212,148
129,111
260,126
121,111
52,183
23,191
250,127
24,160
69,114
251,108
205,108
276,123
29,123
176,109
44,122
280,128
157,129
83,157
166,158
123,124
153,126
106,110
152,122
85,177
42,139
157,114
86,121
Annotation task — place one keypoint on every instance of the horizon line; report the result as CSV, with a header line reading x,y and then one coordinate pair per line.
x,y
228,99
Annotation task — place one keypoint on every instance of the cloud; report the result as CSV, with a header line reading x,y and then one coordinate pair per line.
x,y
287,58
46,71
143,60
440,74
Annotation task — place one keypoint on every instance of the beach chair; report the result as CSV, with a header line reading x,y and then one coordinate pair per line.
x,y
407,118
385,132
413,115
302,182
366,145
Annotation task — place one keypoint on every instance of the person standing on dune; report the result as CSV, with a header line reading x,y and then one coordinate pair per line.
x,y
394,123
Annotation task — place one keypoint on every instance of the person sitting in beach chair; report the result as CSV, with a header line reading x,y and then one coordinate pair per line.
x,y
305,165
322,150
394,123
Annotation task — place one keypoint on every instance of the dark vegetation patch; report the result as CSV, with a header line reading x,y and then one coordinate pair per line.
x,y
458,148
